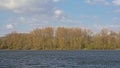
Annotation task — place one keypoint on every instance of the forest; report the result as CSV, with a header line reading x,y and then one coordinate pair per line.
x,y
61,38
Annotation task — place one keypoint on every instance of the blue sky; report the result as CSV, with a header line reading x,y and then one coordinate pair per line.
x,y
26,15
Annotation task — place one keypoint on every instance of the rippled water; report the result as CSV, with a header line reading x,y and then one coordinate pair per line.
x,y
59,59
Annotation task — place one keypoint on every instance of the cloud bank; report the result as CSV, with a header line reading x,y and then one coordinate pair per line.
x,y
104,2
116,2
34,12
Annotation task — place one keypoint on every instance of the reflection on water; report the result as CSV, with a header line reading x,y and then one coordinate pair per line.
x,y
59,59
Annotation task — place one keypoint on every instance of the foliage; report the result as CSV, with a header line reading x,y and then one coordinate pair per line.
x,y
61,38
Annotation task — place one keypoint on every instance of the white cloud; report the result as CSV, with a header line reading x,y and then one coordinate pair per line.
x,y
29,9
104,2
116,2
58,12
26,6
9,26
34,13
88,1
12,4
56,0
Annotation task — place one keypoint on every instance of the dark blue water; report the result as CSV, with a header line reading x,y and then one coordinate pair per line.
x,y
59,59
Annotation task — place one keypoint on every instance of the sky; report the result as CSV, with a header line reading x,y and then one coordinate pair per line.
x,y
26,15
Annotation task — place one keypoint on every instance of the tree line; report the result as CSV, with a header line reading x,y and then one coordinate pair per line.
x,y
61,38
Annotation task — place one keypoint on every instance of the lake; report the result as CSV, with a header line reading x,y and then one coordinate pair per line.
x,y
59,59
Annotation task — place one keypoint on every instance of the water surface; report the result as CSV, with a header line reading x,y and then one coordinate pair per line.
x,y
59,59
